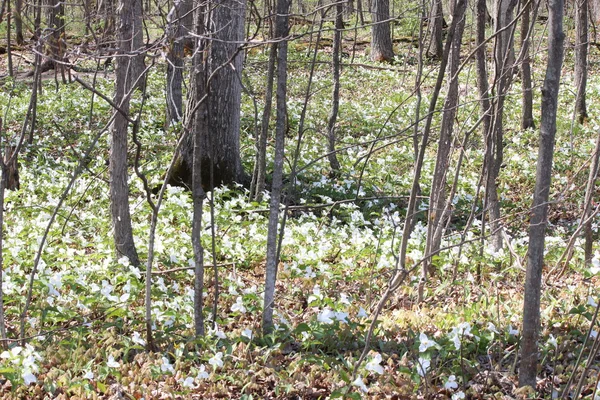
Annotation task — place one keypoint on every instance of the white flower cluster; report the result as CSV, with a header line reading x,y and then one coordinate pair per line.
x,y
27,359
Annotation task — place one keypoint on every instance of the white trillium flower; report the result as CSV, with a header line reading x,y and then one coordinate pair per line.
x,y
593,334
137,339
425,343
360,384
552,340
592,302
188,382
595,268
167,366
217,360
111,363
423,365
512,331
492,328
202,374
89,375
458,396
29,378
362,313
342,317
247,333
373,365
326,316
238,306
451,383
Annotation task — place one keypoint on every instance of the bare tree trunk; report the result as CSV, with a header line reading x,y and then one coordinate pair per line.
x,y
539,211
138,50
482,74
381,43
281,32
436,23
198,124
526,32
177,37
11,72
119,187
258,181
437,197
19,22
504,61
335,100
581,58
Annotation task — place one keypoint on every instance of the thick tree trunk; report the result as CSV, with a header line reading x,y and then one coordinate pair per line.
x,y
177,37
436,23
18,14
539,211
581,58
221,160
381,44
482,74
281,31
138,49
119,188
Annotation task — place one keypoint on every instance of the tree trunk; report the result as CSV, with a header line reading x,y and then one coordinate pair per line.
x,y
437,197
199,125
138,50
581,56
281,32
177,37
19,22
381,44
258,181
482,74
119,188
335,100
504,61
527,110
539,211
436,23
221,160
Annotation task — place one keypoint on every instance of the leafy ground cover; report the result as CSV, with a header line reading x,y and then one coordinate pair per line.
x,y
86,322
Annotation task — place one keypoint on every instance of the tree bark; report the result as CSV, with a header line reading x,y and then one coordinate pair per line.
x,y
436,32
581,58
335,98
539,211
119,188
437,197
381,44
281,32
19,22
527,110
221,160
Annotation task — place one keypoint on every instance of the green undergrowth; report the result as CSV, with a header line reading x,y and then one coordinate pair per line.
x,y
86,323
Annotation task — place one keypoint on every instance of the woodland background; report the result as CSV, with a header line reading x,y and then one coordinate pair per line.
x,y
303,200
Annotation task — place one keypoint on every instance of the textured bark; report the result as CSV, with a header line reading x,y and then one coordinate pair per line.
x,y
581,58
539,211
19,22
221,162
527,109
504,61
437,199
482,74
119,188
436,22
177,36
138,50
281,31
198,124
381,44
335,98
